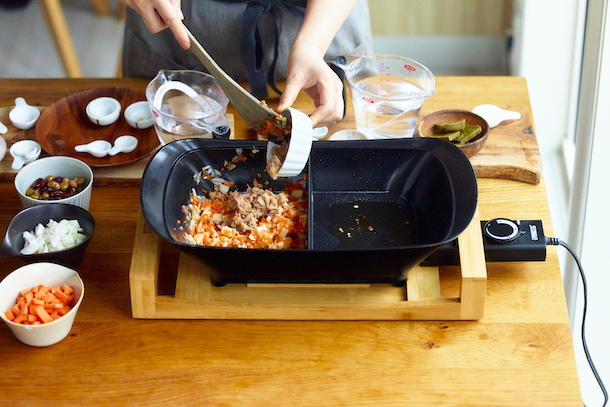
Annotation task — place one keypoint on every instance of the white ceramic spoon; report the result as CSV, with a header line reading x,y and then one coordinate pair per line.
x,y
3,128
123,144
23,152
97,148
495,115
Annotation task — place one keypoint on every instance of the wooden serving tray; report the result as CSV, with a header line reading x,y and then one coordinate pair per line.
x,y
65,124
196,298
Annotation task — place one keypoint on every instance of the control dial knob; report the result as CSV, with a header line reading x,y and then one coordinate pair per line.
x,y
502,230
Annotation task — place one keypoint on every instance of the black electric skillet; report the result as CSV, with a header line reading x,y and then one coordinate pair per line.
x,y
414,196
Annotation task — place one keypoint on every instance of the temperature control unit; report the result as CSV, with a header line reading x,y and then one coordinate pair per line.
x,y
503,240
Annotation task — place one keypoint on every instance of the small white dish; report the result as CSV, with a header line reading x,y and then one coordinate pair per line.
x,y
97,148
2,148
48,274
343,135
23,116
103,111
495,115
123,144
24,152
299,147
319,133
3,128
138,115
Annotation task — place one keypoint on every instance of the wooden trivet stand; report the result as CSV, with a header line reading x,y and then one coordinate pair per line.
x,y
196,298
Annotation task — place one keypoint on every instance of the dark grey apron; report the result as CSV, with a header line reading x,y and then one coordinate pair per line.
x,y
218,27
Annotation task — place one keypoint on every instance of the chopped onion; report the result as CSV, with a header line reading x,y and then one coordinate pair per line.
x,y
54,237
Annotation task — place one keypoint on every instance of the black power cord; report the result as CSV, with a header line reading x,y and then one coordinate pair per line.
x,y
553,241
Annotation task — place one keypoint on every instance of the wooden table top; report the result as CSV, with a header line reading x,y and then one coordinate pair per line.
x,y
519,354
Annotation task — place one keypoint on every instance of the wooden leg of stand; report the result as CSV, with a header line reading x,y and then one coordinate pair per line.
x,y
56,22
144,271
474,270
423,283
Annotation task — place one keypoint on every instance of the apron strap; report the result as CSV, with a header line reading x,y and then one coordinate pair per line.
x,y
251,44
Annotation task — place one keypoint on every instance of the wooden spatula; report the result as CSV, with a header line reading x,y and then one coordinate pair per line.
x,y
248,107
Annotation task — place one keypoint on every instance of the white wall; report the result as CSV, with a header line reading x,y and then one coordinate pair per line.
x,y
590,195
549,54
545,37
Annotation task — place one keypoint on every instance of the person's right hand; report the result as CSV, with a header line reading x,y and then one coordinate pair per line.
x,y
161,14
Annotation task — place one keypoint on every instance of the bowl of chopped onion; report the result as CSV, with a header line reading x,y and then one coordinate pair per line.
x,y
57,233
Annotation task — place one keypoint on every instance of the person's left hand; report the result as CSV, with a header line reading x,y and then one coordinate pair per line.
x,y
308,71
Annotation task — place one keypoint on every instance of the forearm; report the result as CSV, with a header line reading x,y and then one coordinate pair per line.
x,y
322,20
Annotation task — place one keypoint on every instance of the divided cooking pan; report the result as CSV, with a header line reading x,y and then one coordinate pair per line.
x,y
416,194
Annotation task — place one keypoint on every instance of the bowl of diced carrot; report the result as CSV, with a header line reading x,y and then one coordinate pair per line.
x,y
39,302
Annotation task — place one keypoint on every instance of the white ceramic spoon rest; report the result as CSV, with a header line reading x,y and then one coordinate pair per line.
x,y
495,115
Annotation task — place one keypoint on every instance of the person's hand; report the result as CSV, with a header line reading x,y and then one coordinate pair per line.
x,y
161,14
308,71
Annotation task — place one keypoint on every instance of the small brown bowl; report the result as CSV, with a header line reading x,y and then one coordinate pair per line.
x,y
470,148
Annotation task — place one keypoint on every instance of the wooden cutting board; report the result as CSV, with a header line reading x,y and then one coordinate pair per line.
x,y
511,151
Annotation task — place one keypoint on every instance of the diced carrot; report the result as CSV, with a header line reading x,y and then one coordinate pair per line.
x,y
62,297
48,298
64,310
36,301
43,315
39,305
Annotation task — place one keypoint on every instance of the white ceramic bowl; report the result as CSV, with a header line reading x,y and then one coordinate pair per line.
x,y
138,115
103,111
57,166
300,144
28,276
